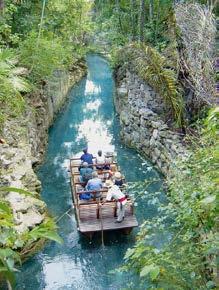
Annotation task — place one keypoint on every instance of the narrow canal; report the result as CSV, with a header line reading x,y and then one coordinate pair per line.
x,y
87,119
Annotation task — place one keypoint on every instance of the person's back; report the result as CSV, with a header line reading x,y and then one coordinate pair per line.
x,y
100,159
87,157
86,173
94,184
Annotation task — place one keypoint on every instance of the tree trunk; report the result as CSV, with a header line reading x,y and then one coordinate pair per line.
x,y
2,4
141,21
118,13
133,18
151,10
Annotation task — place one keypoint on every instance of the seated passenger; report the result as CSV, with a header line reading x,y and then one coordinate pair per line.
x,y
100,160
85,173
87,157
94,184
108,160
118,179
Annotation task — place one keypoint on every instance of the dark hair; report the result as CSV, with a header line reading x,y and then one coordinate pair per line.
x,y
85,150
99,152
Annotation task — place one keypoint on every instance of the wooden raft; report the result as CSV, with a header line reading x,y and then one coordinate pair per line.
x,y
90,214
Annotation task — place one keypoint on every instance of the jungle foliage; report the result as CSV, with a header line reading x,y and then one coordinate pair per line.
x,y
187,257
164,43
182,34
133,20
155,69
35,39
146,21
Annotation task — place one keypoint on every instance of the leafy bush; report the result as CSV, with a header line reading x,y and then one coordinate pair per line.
x,y
42,56
187,260
12,84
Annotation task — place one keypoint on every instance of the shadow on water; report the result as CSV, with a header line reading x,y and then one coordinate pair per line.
x,y
88,118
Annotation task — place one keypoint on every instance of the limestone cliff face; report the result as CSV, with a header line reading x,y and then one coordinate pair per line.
x,y
26,138
142,120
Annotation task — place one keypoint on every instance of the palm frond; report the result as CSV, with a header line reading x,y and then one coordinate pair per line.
x,y
151,66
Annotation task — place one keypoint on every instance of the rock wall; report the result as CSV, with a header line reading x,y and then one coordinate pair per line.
x,y
142,117
25,141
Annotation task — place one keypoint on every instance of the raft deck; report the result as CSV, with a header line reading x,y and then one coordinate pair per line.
x,y
90,214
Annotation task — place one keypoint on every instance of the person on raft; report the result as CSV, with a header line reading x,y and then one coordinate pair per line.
x,y
115,193
87,157
118,179
85,173
94,184
100,159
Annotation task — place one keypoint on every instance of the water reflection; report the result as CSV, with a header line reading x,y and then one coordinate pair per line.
x,y
96,135
91,88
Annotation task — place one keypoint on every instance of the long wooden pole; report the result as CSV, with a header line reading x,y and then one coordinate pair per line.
x,y
101,222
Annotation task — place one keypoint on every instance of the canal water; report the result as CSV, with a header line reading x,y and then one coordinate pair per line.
x,y
87,119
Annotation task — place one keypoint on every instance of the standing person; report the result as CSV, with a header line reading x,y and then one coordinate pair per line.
x,y
115,193
95,184
87,157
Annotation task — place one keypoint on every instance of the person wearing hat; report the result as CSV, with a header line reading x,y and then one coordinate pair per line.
x,y
95,184
115,193
87,157
85,173
118,179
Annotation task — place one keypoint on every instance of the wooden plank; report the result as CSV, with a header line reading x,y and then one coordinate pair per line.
x,y
102,172
90,212
108,224
95,164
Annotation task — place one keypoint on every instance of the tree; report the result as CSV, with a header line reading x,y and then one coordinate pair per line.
x,y
133,18
118,13
1,4
141,20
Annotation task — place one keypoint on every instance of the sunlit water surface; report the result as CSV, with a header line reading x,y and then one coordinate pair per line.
x,y
88,118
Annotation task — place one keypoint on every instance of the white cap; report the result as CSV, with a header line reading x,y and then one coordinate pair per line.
x,y
108,183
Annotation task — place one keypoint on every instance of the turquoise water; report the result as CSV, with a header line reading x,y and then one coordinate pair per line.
x,y
88,118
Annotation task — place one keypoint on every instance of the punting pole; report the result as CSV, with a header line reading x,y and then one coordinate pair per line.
x,y
101,222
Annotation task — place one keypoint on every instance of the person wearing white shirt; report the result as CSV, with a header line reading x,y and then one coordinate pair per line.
x,y
100,159
115,193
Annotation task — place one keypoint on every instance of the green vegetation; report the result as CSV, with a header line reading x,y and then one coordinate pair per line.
x,y
42,59
155,69
126,21
189,220
35,40
12,85
15,247
165,45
